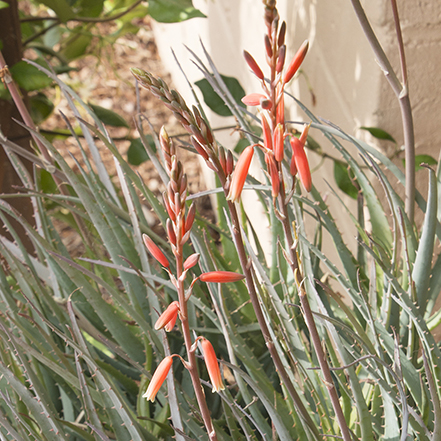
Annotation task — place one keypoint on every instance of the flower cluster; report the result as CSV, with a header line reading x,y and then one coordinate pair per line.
x,y
178,228
272,114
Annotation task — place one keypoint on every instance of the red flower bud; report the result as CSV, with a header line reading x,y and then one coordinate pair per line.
x,y
155,251
212,365
221,277
274,174
296,62
158,378
191,261
240,174
281,59
167,319
267,135
253,65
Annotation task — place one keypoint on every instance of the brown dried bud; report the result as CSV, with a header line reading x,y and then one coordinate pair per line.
x,y
230,163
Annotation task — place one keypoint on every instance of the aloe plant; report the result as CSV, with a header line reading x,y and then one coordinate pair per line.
x,y
308,348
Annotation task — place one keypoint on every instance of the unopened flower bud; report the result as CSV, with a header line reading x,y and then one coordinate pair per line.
x,y
281,59
278,143
191,261
296,62
240,174
221,277
253,65
155,251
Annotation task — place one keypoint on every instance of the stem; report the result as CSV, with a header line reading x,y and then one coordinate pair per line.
x,y
191,353
402,94
309,318
237,235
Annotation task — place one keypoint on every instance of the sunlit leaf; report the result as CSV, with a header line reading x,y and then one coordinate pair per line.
x,y
172,11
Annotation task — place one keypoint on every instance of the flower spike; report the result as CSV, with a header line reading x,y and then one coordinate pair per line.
x,y
212,365
158,378
240,174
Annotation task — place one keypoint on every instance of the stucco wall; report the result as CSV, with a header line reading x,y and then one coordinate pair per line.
x,y
349,88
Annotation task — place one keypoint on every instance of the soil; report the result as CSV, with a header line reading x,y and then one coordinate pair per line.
x,y
106,81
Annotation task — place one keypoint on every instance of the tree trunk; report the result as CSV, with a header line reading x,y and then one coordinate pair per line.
x,y
10,36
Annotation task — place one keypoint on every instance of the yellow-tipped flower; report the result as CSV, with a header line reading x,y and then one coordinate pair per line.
x,y
212,365
158,378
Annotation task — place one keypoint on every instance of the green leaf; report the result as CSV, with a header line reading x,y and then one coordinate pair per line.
x,y
379,133
61,8
109,117
40,107
3,5
172,11
214,101
344,180
422,159
29,77
87,8
137,154
76,46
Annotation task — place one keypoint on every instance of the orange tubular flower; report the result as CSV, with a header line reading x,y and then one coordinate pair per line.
x,y
278,143
221,277
155,251
296,62
212,365
168,318
158,378
240,174
301,162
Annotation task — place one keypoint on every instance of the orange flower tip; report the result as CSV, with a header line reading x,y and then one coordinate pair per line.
x,y
221,277
296,62
191,261
304,136
301,164
253,65
158,378
212,366
278,143
155,251
168,316
253,99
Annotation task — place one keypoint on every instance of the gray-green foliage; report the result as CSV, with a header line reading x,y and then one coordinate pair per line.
x,y
77,339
